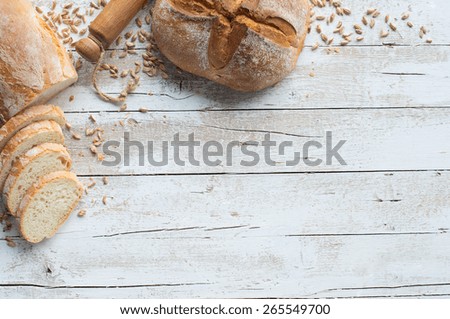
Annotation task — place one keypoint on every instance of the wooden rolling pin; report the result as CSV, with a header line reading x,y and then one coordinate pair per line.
x,y
108,25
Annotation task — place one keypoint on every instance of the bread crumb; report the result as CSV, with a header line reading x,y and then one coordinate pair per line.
x,y
100,157
76,136
79,64
104,200
8,226
93,149
71,98
10,242
105,180
4,220
81,213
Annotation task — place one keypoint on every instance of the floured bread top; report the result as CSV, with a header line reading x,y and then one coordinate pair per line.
x,y
274,20
31,58
247,45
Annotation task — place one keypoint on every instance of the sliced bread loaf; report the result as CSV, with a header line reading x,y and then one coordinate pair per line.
x,y
27,138
28,116
27,169
34,64
48,204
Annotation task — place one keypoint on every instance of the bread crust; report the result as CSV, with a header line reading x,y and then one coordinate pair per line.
x,y
52,177
247,45
28,116
29,157
6,156
34,65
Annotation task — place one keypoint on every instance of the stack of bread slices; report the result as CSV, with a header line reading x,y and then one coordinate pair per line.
x,y
35,179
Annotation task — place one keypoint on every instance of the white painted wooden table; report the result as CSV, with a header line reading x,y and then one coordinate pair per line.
x,y
376,227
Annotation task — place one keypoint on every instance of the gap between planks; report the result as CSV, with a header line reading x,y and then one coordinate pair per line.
x,y
309,296
443,231
362,108
436,170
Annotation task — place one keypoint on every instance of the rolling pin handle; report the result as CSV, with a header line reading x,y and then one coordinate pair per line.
x,y
90,49
107,26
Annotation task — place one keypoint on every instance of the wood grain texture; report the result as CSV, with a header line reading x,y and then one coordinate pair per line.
x,y
376,140
221,238
377,227
398,71
357,77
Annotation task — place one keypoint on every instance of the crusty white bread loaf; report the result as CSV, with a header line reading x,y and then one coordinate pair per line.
x,y
27,138
247,45
34,66
27,169
30,115
48,204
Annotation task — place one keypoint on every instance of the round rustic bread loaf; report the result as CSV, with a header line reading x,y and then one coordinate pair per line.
x,y
247,45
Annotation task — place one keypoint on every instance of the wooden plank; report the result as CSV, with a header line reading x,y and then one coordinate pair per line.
x,y
411,76
233,268
265,205
357,77
428,13
376,140
277,237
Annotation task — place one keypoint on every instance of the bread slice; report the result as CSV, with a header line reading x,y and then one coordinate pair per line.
x,y
27,138
48,204
34,65
37,162
30,115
